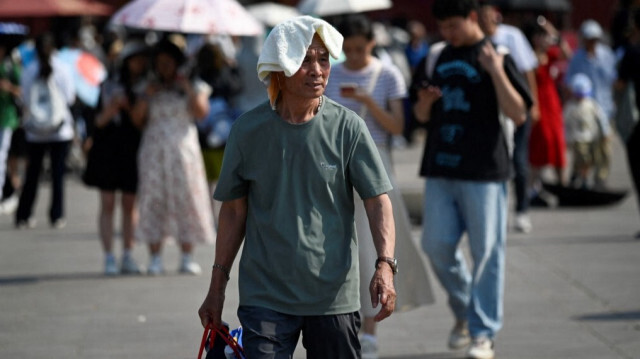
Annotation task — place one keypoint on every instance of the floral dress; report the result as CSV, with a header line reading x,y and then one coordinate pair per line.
x,y
172,190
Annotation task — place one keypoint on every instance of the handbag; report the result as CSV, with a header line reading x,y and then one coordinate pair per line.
x,y
221,344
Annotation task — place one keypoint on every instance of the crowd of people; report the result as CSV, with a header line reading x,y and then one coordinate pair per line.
x,y
182,144
157,104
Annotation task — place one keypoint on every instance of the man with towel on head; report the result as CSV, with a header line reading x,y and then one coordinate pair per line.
x,y
288,175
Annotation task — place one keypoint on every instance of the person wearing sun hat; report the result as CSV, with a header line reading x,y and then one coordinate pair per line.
x,y
290,169
172,186
597,61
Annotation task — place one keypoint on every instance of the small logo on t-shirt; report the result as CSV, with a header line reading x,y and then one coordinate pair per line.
x,y
451,133
328,166
454,99
459,68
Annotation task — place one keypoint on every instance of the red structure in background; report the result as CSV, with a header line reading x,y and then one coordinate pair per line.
x,y
403,10
601,11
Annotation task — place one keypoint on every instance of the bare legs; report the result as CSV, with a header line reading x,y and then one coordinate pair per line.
x,y
187,264
106,226
129,219
105,221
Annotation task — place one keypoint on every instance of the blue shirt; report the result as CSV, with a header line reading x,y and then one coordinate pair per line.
x,y
601,70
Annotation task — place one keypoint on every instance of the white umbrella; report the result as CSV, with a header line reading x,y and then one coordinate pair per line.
x,y
271,13
189,17
335,7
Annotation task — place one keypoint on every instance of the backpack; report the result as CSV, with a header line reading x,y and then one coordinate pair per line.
x,y
46,109
214,129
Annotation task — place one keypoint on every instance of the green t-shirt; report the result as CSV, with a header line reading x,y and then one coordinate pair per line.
x,y
8,110
300,253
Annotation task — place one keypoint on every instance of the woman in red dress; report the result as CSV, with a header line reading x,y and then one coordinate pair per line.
x,y
547,144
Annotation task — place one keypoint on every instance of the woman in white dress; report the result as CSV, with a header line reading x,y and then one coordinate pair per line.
x,y
172,189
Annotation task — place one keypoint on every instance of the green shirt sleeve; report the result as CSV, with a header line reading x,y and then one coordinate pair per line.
x,y
366,169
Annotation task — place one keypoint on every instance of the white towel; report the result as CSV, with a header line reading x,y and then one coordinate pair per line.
x,y
287,44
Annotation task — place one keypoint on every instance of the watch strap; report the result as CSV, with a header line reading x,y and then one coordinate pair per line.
x,y
393,263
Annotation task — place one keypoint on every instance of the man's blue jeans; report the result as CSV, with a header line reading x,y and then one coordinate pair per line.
x,y
452,207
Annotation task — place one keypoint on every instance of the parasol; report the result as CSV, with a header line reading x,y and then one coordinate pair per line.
x,y
189,17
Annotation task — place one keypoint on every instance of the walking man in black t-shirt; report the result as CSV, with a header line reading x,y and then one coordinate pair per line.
x,y
465,101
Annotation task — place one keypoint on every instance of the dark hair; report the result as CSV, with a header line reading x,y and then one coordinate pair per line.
x,y
532,29
45,44
495,3
165,46
126,78
444,9
210,60
356,25
635,18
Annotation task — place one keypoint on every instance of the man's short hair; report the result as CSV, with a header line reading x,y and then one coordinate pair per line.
x,y
444,9
635,18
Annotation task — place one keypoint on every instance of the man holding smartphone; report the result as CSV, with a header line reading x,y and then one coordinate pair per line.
x,y
467,166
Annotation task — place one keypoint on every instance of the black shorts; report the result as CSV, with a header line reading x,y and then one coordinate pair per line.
x,y
18,147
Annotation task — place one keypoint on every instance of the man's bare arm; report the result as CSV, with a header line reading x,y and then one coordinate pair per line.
x,y
231,231
380,215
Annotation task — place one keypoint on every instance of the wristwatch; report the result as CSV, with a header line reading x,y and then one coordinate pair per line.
x,y
393,263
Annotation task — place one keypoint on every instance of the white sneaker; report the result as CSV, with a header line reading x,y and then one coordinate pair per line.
x,y
523,223
110,267
189,266
155,266
481,348
129,265
29,223
369,348
59,223
9,205
459,336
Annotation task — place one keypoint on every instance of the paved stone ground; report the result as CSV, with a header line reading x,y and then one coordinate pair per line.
x,y
572,291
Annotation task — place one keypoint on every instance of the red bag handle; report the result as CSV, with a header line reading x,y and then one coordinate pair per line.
x,y
204,341
224,333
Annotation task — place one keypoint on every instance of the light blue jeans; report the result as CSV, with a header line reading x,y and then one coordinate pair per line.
x,y
452,207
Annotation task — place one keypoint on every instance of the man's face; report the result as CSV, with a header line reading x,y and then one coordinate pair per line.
x,y
590,44
311,79
488,19
457,30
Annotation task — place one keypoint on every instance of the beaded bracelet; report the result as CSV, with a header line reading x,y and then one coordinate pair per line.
x,y
224,269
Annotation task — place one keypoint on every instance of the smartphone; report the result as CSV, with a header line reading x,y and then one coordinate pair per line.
x,y
348,88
